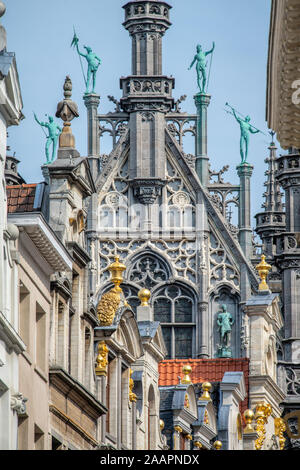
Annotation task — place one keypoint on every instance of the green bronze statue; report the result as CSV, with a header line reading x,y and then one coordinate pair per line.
x,y
54,132
225,322
93,64
246,128
200,58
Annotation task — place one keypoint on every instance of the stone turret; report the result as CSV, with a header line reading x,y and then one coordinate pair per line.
x,y
288,251
272,220
147,97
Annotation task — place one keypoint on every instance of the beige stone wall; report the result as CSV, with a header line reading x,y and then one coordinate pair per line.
x,y
34,330
68,420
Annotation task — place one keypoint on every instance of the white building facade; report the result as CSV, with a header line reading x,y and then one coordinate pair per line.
x,y
11,345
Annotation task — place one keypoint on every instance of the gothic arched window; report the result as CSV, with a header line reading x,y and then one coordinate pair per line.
x,y
174,308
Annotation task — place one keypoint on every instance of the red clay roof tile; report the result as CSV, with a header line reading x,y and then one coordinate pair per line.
x,y
210,370
20,198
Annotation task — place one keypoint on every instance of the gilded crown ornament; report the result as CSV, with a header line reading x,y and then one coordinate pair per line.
x,y
206,387
102,362
186,371
144,296
263,269
109,302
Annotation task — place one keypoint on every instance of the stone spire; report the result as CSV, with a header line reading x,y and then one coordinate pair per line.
x,y
272,220
147,97
146,22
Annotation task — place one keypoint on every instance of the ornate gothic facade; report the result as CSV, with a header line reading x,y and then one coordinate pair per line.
x,y
188,347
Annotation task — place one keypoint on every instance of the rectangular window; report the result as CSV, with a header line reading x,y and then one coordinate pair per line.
x,y
24,322
40,338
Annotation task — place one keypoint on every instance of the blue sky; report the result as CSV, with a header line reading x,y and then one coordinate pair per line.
x,y
40,33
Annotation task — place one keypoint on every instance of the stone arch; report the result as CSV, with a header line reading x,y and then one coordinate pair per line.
x,y
148,268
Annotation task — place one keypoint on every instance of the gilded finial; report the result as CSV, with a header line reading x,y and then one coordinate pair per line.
x,y
263,269
206,387
109,302
186,371
132,396
102,362
218,445
161,424
116,269
189,437
144,296
249,417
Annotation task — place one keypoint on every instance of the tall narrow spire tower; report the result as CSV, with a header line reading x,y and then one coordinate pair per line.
x,y
147,96
272,220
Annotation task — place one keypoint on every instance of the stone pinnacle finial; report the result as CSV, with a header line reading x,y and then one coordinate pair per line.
x,y
67,110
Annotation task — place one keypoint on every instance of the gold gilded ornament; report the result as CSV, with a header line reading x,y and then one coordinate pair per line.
x,y
218,445
263,269
187,370
206,387
161,424
109,302
249,417
280,427
102,362
263,411
132,396
206,418
108,306
178,429
144,296
198,445
186,401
